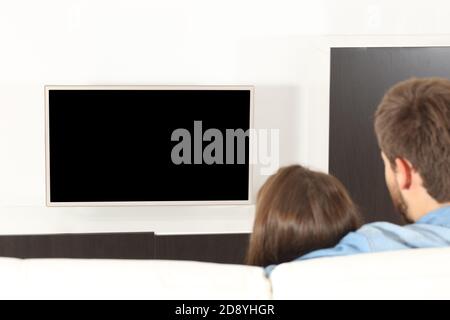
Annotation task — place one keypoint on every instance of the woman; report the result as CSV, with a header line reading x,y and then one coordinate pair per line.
x,y
299,211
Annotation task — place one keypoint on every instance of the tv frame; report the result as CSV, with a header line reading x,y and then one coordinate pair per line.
x,y
49,88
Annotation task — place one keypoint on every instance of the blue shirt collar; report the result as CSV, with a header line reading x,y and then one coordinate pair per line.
x,y
439,216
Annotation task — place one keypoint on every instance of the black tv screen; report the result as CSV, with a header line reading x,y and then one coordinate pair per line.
x,y
148,145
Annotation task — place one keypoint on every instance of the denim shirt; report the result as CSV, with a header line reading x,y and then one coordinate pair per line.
x,y
431,231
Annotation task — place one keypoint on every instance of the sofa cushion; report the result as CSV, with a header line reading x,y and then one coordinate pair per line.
x,y
11,275
116,279
409,274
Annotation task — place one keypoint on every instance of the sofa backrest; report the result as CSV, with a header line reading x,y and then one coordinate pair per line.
x,y
119,279
410,274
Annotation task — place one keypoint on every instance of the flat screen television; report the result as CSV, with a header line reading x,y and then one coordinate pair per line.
x,y
148,145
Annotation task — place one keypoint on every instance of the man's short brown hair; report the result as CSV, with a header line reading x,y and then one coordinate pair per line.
x,y
413,122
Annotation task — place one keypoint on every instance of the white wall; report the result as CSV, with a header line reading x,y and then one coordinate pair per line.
x,y
281,47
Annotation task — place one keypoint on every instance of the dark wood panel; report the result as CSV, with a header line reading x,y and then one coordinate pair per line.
x,y
82,246
219,248
359,79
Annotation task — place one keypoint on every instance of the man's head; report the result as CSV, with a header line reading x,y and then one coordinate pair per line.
x,y
412,124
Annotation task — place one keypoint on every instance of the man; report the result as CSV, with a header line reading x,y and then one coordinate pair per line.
x,y
412,125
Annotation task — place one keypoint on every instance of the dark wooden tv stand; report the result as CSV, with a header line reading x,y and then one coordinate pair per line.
x,y
219,248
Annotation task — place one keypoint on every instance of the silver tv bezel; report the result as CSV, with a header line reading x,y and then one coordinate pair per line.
x,y
49,203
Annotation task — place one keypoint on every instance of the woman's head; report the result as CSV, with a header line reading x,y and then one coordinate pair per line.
x,y
299,211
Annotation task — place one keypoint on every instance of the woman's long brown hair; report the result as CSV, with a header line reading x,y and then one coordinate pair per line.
x,y
299,211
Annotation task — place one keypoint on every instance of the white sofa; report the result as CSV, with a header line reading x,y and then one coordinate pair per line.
x,y
405,274
411,274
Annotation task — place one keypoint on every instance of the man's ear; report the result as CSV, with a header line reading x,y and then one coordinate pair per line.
x,y
403,173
